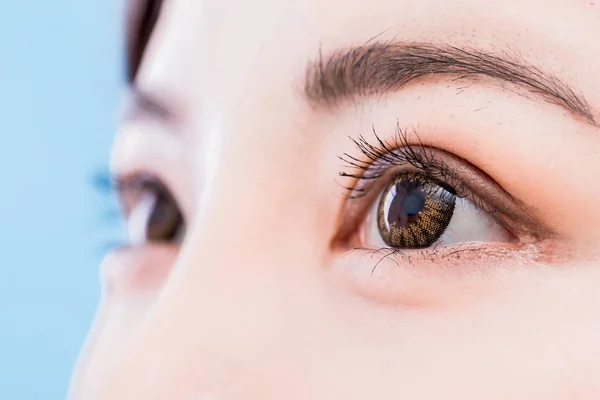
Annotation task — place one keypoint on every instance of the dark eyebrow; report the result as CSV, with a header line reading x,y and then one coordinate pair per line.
x,y
380,68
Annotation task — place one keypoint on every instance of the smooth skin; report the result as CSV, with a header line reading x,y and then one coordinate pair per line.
x,y
259,302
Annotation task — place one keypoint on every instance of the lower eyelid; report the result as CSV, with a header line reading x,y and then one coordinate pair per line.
x,y
137,268
444,256
433,278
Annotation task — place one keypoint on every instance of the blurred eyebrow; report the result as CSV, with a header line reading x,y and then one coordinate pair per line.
x,y
380,68
140,104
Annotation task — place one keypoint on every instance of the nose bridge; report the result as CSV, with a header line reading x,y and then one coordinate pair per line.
x,y
260,175
254,212
241,295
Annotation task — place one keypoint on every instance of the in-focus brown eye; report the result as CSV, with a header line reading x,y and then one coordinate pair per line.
x,y
414,211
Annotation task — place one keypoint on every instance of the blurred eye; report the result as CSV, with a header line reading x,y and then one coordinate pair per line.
x,y
151,212
415,211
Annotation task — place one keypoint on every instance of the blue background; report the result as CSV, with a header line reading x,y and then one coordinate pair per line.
x,y
60,80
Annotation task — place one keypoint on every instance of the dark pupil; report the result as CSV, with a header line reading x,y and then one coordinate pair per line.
x,y
416,213
165,221
408,203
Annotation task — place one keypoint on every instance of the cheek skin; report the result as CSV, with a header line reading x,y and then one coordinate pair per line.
x,y
130,271
538,327
534,335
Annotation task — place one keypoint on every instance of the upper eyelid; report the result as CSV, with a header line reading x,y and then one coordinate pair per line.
x,y
484,189
385,154
425,159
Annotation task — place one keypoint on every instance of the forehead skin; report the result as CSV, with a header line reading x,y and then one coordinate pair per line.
x,y
224,64
273,40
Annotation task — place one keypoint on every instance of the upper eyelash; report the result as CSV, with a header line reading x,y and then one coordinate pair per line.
x,y
384,155
113,187
135,181
381,157
107,184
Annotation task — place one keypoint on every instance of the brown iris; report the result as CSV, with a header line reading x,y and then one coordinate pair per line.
x,y
165,221
414,211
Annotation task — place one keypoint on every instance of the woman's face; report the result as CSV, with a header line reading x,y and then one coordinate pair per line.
x,y
344,199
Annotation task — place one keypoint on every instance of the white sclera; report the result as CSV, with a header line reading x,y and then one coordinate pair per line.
x,y
139,217
469,224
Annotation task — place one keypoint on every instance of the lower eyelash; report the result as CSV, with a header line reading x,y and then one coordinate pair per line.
x,y
438,255
414,255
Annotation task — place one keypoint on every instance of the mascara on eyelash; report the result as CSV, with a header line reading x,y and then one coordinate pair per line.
x,y
381,157
450,172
